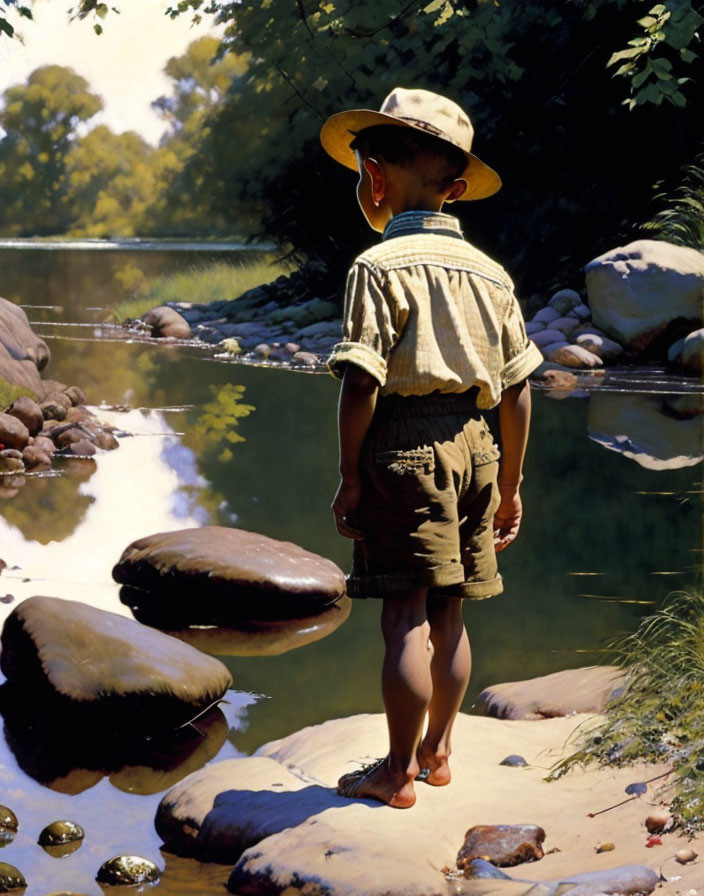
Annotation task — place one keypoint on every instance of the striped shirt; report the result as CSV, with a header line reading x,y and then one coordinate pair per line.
x,y
427,312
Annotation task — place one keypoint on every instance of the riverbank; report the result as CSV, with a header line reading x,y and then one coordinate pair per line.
x,y
302,837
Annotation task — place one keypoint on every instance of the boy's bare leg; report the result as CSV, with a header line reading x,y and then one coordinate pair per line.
x,y
407,688
450,669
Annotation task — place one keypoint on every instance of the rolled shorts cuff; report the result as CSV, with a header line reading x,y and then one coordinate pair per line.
x,y
388,584
475,590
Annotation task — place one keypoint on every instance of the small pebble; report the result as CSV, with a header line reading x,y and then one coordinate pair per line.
x,y
514,761
659,820
59,832
605,847
8,820
7,598
11,878
683,856
128,870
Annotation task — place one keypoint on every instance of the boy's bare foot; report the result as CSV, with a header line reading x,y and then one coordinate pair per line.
x,y
435,769
376,782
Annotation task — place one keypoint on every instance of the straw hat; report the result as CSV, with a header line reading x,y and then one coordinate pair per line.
x,y
421,110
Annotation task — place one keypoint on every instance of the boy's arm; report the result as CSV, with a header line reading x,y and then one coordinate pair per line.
x,y
355,411
514,422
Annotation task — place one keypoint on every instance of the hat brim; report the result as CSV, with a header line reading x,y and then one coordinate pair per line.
x,y
339,130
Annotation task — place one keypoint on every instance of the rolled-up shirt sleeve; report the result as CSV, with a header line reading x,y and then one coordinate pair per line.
x,y
368,333
520,355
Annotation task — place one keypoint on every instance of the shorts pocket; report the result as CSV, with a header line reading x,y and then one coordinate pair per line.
x,y
482,447
409,462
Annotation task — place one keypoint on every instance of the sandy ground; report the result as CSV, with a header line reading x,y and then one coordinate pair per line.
x,y
483,792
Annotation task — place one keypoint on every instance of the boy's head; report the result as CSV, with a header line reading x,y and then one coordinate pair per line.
x,y
416,131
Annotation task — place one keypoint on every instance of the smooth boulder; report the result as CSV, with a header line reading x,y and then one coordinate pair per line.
x,y
647,294
106,669
216,575
551,696
165,323
22,354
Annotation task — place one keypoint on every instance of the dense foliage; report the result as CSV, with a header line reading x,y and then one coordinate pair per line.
x,y
579,149
658,716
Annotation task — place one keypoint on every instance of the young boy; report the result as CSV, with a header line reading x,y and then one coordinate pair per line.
x,y
432,334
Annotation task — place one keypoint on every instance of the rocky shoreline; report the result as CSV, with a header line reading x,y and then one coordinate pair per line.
x,y
621,321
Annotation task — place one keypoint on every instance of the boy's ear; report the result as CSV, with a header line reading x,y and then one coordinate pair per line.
x,y
378,178
456,189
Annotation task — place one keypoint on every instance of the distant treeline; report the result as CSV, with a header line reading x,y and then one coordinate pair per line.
x,y
59,176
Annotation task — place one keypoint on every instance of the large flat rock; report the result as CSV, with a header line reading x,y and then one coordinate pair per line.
x,y
549,696
647,294
104,668
218,575
281,808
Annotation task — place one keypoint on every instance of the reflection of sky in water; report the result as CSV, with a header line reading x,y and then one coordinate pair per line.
x,y
126,828
136,490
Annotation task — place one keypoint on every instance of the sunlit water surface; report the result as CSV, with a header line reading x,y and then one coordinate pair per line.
x,y
613,523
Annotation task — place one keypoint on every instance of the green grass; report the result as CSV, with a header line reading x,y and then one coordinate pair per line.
x,y
660,714
206,283
681,221
10,393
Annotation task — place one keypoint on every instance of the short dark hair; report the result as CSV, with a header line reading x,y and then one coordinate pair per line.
x,y
442,162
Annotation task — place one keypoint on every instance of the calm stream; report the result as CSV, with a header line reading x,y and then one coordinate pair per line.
x,y
607,534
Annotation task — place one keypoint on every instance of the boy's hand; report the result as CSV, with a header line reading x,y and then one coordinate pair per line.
x,y
507,519
344,507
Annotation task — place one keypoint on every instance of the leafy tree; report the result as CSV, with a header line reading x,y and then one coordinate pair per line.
x,y
111,180
199,80
84,8
578,167
40,120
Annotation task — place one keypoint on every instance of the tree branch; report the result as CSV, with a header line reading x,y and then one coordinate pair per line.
x,y
355,32
296,90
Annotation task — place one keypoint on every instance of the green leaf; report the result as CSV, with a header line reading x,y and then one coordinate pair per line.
x,y
6,27
658,10
624,54
101,10
642,76
25,11
98,29
647,21
687,55
625,68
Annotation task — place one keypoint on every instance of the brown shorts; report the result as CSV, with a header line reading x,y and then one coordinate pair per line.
x,y
429,469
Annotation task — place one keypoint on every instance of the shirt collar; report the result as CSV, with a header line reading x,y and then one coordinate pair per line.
x,y
407,223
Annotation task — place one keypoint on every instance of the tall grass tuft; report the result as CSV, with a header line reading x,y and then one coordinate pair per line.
x,y
206,283
682,219
659,716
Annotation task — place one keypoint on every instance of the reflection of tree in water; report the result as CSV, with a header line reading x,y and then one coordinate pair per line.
x,y
212,431
116,373
50,508
217,425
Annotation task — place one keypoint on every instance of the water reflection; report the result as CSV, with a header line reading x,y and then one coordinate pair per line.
x,y
658,432
76,763
70,531
116,812
270,638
